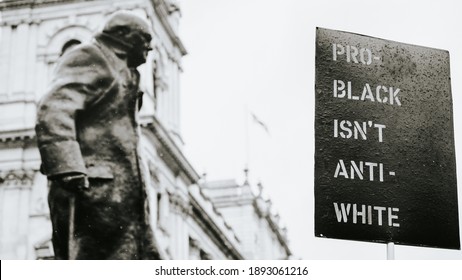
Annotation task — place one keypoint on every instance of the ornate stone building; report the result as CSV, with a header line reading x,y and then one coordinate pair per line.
x,y
187,223
251,217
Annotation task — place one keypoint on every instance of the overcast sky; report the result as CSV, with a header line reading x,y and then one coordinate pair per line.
x,y
259,54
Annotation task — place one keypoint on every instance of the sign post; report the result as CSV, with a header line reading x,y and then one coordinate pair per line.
x,y
390,251
384,160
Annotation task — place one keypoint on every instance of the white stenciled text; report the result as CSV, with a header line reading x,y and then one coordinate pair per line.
x,y
372,93
357,130
366,214
353,54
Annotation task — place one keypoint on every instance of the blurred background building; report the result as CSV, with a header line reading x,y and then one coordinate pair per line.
x,y
191,218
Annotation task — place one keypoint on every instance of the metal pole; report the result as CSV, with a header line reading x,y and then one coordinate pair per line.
x,y
390,251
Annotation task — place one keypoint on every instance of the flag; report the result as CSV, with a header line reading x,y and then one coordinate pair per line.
x,y
259,122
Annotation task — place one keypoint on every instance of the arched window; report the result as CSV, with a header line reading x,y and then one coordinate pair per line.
x,y
69,45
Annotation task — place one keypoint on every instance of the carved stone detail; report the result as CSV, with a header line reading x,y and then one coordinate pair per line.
x,y
17,178
179,205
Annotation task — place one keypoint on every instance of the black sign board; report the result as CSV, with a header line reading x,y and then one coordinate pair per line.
x,y
384,163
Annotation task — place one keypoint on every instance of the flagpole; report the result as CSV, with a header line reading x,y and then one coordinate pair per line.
x,y
247,138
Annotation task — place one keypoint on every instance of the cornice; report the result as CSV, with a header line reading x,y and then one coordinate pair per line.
x,y
280,237
17,135
20,4
266,214
207,224
162,10
22,178
174,153
180,205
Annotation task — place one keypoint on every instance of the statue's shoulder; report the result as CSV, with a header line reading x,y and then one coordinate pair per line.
x,y
83,55
84,63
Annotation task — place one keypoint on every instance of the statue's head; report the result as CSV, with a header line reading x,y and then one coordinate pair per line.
x,y
133,32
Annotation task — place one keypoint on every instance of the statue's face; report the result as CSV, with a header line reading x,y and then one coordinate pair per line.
x,y
132,30
141,43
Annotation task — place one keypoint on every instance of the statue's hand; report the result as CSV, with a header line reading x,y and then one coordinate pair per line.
x,y
73,182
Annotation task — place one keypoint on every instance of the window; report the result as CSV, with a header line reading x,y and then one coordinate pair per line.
x,y
154,83
159,200
69,45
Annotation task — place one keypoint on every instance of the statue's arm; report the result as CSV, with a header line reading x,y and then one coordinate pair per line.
x,y
81,76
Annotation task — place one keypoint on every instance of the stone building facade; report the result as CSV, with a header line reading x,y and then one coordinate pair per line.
x,y
186,221
252,218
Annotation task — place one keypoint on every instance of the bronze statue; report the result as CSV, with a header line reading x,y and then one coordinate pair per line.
x,y
87,134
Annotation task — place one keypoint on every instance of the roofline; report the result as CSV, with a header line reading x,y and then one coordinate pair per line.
x,y
217,236
160,8
20,4
153,125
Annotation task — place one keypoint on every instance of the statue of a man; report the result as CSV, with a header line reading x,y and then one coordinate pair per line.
x,y
87,134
